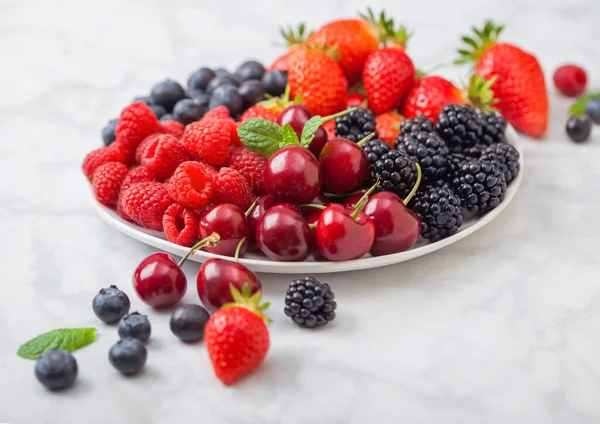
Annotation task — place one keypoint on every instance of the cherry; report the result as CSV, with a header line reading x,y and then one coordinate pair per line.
x,y
352,200
344,165
263,203
159,281
297,115
292,175
312,219
320,200
283,234
229,221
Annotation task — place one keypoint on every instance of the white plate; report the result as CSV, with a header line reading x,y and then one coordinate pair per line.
x,y
259,263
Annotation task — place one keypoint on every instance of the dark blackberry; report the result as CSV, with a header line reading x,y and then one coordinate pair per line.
x,y
440,212
397,173
455,163
418,124
475,151
356,125
493,127
375,149
506,157
459,126
429,150
310,303
480,185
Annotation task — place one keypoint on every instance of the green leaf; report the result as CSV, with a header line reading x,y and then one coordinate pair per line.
x,y
578,107
260,135
289,136
69,339
310,128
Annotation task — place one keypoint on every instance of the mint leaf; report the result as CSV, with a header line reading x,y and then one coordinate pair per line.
x,y
69,339
260,135
578,107
310,128
288,135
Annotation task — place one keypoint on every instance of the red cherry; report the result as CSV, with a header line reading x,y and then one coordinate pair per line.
x,y
319,200
263,203
342,236
296,115
216,275
229,221
292,175
344,165
397,228
312,219
283,234
159,281
352,200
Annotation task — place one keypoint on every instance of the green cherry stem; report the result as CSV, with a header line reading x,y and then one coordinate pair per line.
x,y
366,139
251,208
312,226
415,187
312,205
363,200
337,115
210,241
236,257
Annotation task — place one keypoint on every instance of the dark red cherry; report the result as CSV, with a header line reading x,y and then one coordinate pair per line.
x,y
263,203
283,234
159,281
296,115
344,165
312,219
229,221
352,200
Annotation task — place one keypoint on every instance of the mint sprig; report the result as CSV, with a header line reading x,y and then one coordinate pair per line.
x,y
69,339
578,107
288,136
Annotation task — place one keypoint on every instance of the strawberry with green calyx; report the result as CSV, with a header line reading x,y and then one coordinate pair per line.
x,y
295,40
520,87
481,94
428,97
387,32
237,338
271,108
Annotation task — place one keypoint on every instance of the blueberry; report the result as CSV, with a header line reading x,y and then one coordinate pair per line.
x,y
187,111
158,110
135,325
200,79
593,110
579,128
275,82
222,72
252,92
111,304
108,132
188,322
219,81
167,93
200,97
56,369
250,70
128,356
167,117
226,95
144,99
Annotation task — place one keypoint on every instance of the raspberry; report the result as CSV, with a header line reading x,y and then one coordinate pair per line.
x,y
141,148
137,121
107,182
173,127
220,112
210,140
137,175
99,157
230,187
145,203
570,80
163,154
191,185
180,225
251,165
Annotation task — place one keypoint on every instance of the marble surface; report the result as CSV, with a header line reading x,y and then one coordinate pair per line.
x,y
502,327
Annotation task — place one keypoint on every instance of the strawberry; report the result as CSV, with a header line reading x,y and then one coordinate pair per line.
x,y
355,100
295,41
387,76
429,95
268,109
520,87
236,336
388,127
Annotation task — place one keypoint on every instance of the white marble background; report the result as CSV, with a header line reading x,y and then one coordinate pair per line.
x,y
501,327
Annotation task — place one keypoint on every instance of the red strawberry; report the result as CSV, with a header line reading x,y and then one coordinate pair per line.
x,y
230,187
520,87
428,97
236,336
355,100
319,79
388,127
387,76
295,41
209,139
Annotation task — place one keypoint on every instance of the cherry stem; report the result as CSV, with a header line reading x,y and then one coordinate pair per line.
x,y
312,205
251,208
210,241
312,226
415,187
366,139
337,115
332,195
363,200
236,258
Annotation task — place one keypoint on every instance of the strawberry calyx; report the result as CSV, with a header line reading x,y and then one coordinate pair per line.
x,y
479,43
331,51
481,94
386,30
280,102
293,35
245,299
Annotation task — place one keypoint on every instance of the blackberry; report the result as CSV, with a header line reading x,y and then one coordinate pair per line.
x,y
397,173
455,163
429,150
459,126
111,304
56,369
506,157
310,303
475,151
418,124
375,149
356,125
135,325
440,212
493,126
480,185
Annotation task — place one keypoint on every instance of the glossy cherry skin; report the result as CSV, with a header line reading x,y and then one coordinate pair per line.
x,y
353,199
229,221
283,234
292,175
214,278
313,218
397,228
340,237
344,165
296,115
263,203
319,200
158,281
